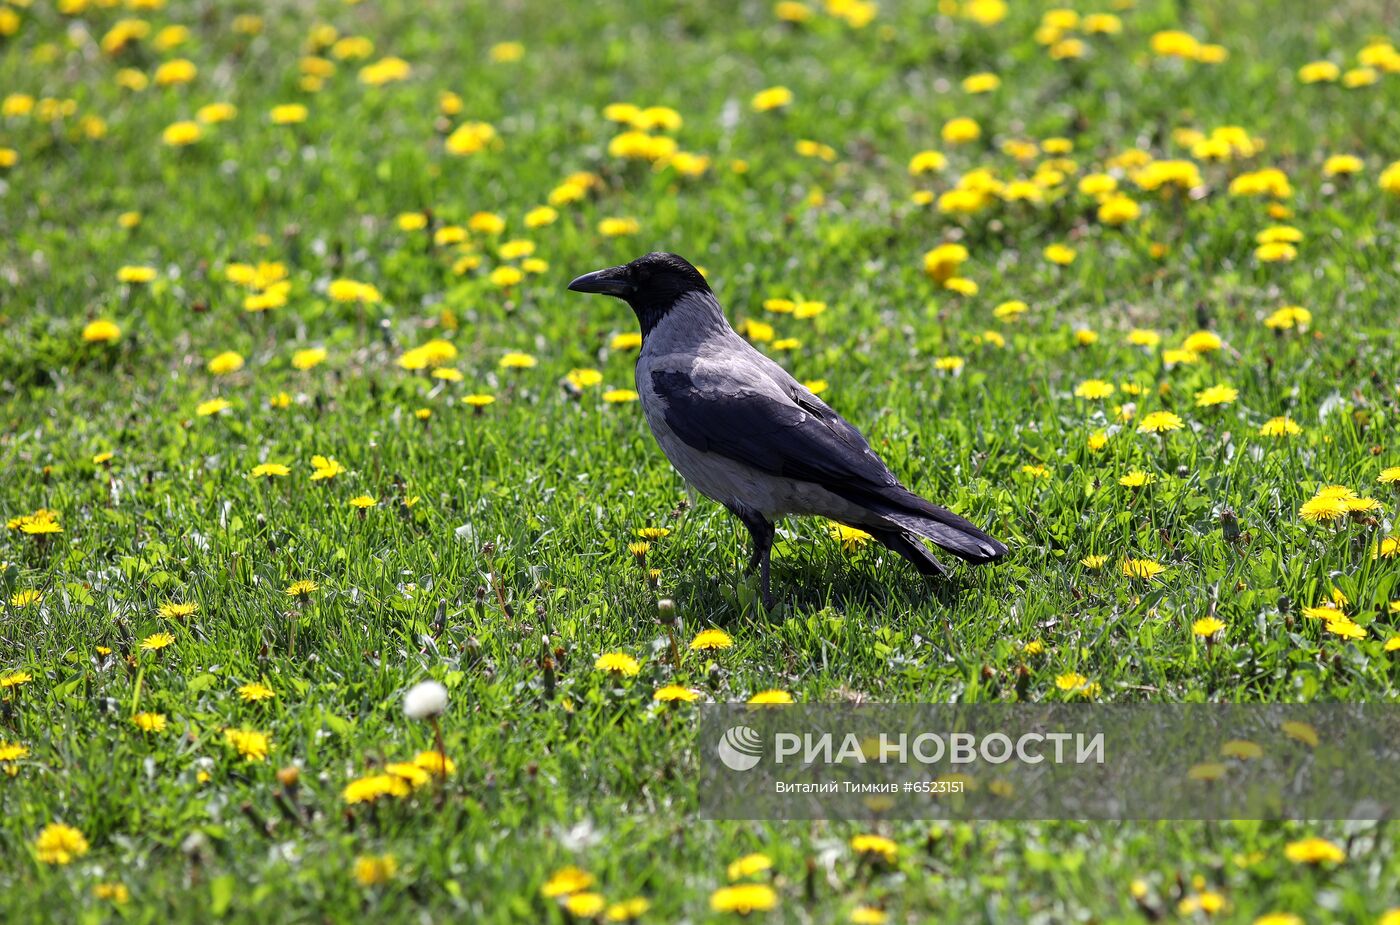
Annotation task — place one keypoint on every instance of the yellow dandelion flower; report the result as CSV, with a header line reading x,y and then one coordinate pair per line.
x,y
566,881
1345,628
385,70
628,909
1314,851
507,52
1093,389
961,130
214,113
540,216
374,787
59,844
744,898
1319,72
673,693
255,692
771,98
325,467
181,134
270,470
178,610
618,227
149,722
584,905
711,639
1145,569
156,641
1202,342
1280,427
1160,422
617,663
288,114
373,870
101,332
850,538
225,363
1216,395
1301,732
1323,509
749,865
1207,771
251,745
409,773
1275,252
984,82
1207,627
309,358
876,845
135,275
435,763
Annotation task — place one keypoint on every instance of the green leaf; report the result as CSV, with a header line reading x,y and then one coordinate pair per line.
x,y
221,894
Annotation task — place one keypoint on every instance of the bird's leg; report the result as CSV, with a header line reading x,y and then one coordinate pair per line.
x,y
762,533
763,570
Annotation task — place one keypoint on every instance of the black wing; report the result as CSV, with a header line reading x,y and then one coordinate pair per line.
x,y
803,439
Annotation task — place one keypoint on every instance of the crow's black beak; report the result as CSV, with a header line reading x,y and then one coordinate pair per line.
x,y
614,281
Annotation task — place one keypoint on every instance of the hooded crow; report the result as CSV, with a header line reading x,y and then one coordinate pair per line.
x,y
745,433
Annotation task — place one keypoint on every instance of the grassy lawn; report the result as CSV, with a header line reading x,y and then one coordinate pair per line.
x,y
295,412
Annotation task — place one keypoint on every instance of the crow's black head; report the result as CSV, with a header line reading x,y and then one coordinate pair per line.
x,y
650,284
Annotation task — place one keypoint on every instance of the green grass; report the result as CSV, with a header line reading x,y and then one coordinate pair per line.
x,y
525,510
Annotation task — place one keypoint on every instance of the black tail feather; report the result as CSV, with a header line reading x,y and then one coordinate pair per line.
x,y
954,534
910,513
911,548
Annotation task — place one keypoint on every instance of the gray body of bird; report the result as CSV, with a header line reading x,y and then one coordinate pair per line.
x,y
695,344
742,431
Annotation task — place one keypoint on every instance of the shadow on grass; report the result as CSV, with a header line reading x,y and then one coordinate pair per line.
x,y
868,588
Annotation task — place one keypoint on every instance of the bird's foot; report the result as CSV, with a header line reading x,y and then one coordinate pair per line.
x,y
747,594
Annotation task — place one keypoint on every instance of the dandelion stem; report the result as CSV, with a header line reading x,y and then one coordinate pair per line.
x,y
501,596
136,691
442,761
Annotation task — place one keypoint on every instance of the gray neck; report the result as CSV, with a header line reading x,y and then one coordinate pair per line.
x,y
693,318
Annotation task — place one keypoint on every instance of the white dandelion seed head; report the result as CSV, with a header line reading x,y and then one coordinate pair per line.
x,y
428,698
